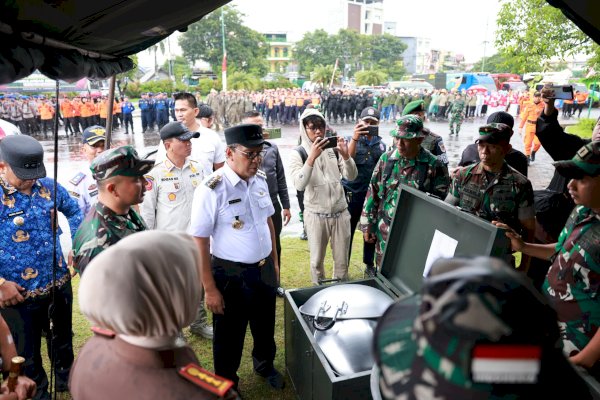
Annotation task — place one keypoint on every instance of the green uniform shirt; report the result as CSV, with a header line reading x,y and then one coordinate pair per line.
x,y
101,229
426,173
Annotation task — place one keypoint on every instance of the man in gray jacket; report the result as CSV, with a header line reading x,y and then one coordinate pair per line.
x,y
319,173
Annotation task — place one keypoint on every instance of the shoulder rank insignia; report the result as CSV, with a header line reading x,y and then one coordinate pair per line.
x,y
214,181
103,332
206,380
261,173
76,180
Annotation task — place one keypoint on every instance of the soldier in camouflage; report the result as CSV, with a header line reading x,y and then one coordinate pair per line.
x,y
574,277
121,184
479,331
409,164
432,142
458,114
493,190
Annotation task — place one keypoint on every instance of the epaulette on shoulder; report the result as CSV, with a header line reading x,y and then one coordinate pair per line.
x,y
76,180
213,181
205,379
261,173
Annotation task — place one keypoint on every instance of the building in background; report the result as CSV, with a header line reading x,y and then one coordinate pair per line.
x,y
417,54
364,16
280,53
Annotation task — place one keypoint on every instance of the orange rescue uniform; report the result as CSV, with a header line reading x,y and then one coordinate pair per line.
x,y
529,116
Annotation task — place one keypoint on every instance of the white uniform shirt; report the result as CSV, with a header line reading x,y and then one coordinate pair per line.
x,y
167,203
215,210
208,149
84,189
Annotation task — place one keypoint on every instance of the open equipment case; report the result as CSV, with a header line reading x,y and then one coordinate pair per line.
x,y
423,226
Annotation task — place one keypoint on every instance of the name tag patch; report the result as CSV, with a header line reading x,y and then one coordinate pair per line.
x,y
207,380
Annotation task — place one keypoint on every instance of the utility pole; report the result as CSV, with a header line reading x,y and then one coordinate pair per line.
x,y
484,45
224,65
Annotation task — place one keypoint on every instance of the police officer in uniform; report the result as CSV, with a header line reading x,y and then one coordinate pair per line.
x,y
83,187
26,264
121,184
144,106
231,215
127,108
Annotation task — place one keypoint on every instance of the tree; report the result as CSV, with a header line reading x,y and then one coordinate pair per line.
x,y
154,49
123,80
530,32
371,77
246,48
242,80
314,48
322,74
384,52
181,68
493,64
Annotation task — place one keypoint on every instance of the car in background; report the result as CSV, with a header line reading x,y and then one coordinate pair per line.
x,y
514,85
8,129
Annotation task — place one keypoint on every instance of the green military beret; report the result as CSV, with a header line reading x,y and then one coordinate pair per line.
x,y
413,107
122,161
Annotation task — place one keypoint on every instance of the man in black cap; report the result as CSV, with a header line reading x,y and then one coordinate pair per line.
x,y
121,184
493,190
514,157
26,260
231,215
365,147
83,187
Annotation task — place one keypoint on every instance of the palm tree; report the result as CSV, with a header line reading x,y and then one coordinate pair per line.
x,y
154,48
371,77
242,80
322,74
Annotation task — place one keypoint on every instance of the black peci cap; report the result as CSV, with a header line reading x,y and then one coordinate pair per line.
x,y
249,135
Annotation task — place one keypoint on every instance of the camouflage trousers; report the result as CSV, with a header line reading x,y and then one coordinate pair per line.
x,y
455,122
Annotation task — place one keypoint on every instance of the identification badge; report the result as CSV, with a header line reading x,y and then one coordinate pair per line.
x,y
209,381
237,224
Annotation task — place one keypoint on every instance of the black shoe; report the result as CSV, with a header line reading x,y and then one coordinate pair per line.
x,y
370,271
533,156
274,379
528,160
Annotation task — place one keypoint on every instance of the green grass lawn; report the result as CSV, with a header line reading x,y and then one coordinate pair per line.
x,y
294,274
583,128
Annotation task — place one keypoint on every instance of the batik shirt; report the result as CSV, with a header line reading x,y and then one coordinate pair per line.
x,y
26,235
425,173
506,197
101,229
573,280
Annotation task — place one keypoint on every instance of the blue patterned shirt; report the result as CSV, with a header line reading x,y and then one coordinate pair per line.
x,y
26,235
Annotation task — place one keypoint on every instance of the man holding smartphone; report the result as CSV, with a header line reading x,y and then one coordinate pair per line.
x,y
365,147
326,215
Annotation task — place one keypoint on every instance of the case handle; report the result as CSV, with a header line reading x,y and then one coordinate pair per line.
x,y
340,311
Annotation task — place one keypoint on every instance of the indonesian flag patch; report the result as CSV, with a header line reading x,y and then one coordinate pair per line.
x,y
506,363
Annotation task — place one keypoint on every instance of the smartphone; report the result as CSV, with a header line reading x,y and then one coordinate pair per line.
x,y
331,142
373,130
563,92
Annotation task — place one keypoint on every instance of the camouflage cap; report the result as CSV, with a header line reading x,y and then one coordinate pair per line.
x,y
494,133
122,160
585,163
409,127
413,107
479,330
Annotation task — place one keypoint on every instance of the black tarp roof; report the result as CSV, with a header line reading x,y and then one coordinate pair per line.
x,y
584,13
105,30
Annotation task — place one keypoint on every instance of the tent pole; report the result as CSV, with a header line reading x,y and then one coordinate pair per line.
x,y
109,113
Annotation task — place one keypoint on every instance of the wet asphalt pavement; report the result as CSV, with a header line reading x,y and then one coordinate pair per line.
x,y
70,160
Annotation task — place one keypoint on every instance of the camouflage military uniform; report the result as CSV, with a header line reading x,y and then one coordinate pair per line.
x,y
508,197
458,114
425,173
101,229
435,144
574,278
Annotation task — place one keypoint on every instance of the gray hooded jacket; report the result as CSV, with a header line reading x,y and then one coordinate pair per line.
x,y
323,190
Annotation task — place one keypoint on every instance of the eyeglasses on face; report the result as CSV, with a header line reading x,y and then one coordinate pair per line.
x,y
251,155
315,128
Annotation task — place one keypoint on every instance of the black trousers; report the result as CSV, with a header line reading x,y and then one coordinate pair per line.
x,y
128,122
249,295
27,321
355,207
278,225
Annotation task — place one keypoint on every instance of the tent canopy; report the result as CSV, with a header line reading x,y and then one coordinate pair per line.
x,y
73,39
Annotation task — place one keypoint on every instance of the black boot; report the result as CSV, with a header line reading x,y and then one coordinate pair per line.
x,y
533,156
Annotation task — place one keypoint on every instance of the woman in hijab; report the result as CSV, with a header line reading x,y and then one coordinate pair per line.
x,y
139,294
